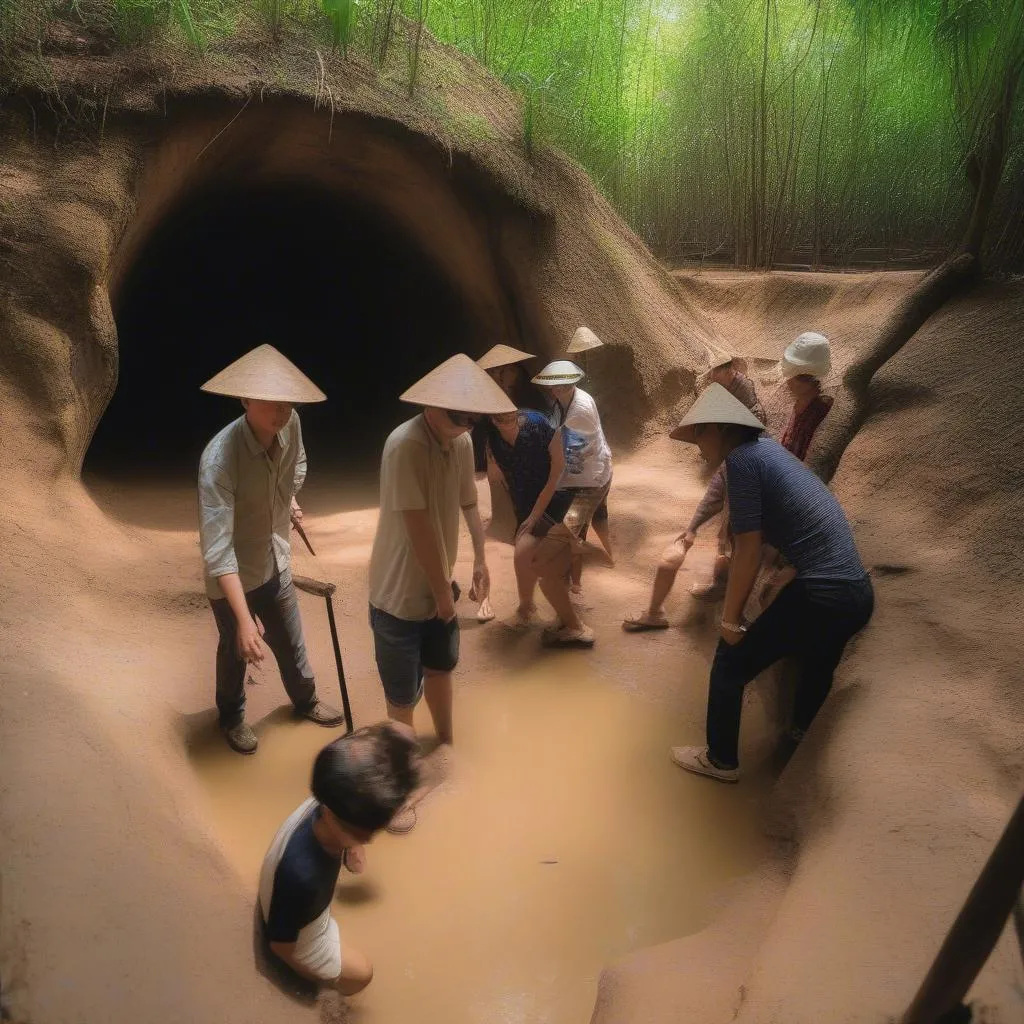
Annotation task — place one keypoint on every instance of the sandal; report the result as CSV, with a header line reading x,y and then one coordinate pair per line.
x,y
642,624
485,612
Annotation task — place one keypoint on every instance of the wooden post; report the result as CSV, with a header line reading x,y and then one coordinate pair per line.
x,y
975,931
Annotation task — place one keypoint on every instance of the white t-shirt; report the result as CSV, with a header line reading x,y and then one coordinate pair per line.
x,y
588,458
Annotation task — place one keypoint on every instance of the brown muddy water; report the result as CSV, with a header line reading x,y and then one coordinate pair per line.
x,y
563,839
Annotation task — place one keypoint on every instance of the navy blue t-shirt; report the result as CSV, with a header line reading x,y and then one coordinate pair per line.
x,y
526,465
304,883
773,491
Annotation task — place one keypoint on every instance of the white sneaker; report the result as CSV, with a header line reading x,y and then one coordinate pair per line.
x,y
696,760
563,636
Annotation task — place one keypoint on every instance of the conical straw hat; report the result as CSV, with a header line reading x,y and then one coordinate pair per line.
x,y
266,375
460,385
502,355
582,341
561,371
719,357
715,405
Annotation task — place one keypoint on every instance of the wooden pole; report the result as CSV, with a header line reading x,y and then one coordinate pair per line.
x,y
326,590
975,931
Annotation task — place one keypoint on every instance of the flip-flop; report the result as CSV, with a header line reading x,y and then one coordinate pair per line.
x,y
485,612
638,624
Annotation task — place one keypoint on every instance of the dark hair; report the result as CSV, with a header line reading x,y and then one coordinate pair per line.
x,y
739,433
365,777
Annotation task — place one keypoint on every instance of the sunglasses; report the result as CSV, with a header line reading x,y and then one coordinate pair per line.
x,y
461,419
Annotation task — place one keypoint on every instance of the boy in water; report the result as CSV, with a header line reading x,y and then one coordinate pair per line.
x,y
359,782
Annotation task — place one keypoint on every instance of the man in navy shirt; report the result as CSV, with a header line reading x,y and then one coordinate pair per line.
x,y
775,499
359,782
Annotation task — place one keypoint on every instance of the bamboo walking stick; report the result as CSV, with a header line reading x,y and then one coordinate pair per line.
x,y
975,931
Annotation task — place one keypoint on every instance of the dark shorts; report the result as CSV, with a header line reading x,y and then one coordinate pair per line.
x,y
405,648
554,513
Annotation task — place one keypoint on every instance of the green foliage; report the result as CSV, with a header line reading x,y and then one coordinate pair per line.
x,y
757,130
340,12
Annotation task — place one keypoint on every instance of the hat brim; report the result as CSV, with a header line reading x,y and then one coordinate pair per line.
x,y
503,355
792,368
684,433
265,375
715,405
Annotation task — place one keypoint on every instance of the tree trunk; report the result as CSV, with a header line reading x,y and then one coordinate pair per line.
x,y
851,402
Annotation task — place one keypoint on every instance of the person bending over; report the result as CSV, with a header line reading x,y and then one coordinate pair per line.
x,y
727,372
775,499
530,456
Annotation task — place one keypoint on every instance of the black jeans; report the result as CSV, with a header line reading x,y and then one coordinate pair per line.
x,y
811,621
275,605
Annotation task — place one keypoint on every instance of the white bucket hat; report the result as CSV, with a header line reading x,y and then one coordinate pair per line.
x,y
460,385
561,371
715,405
583,341
809,354
266,375
502,355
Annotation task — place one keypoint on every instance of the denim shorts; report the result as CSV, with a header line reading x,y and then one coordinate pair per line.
x,y
404,648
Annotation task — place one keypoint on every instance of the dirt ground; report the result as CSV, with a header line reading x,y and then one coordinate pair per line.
x,y
123,896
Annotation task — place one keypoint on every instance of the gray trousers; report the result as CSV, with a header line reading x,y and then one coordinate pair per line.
x,y
275,605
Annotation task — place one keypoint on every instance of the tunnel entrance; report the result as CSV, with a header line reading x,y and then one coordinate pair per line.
x,y
335,285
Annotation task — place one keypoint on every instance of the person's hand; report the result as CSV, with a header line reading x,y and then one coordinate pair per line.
x,y
296,513
686,538
731,636
481,580
526,528
354,858
250,646
446,608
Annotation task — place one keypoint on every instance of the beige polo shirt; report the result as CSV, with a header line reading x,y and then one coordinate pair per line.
x,y
245,496
417,473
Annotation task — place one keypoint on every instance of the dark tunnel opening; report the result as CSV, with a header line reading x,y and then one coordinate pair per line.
x,y
342,291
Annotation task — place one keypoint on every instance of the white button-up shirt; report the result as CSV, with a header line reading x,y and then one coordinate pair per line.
x,y
245,496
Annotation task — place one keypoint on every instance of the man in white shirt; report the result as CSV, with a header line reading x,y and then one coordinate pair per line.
x,y
248,477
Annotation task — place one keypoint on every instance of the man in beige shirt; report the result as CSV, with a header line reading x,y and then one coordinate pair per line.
x,y
426,476
248,476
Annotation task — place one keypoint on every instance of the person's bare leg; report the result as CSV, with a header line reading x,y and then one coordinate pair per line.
x,y
526,575
437,689
664,580
604,535
554,589
356,971
576,576
400,714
